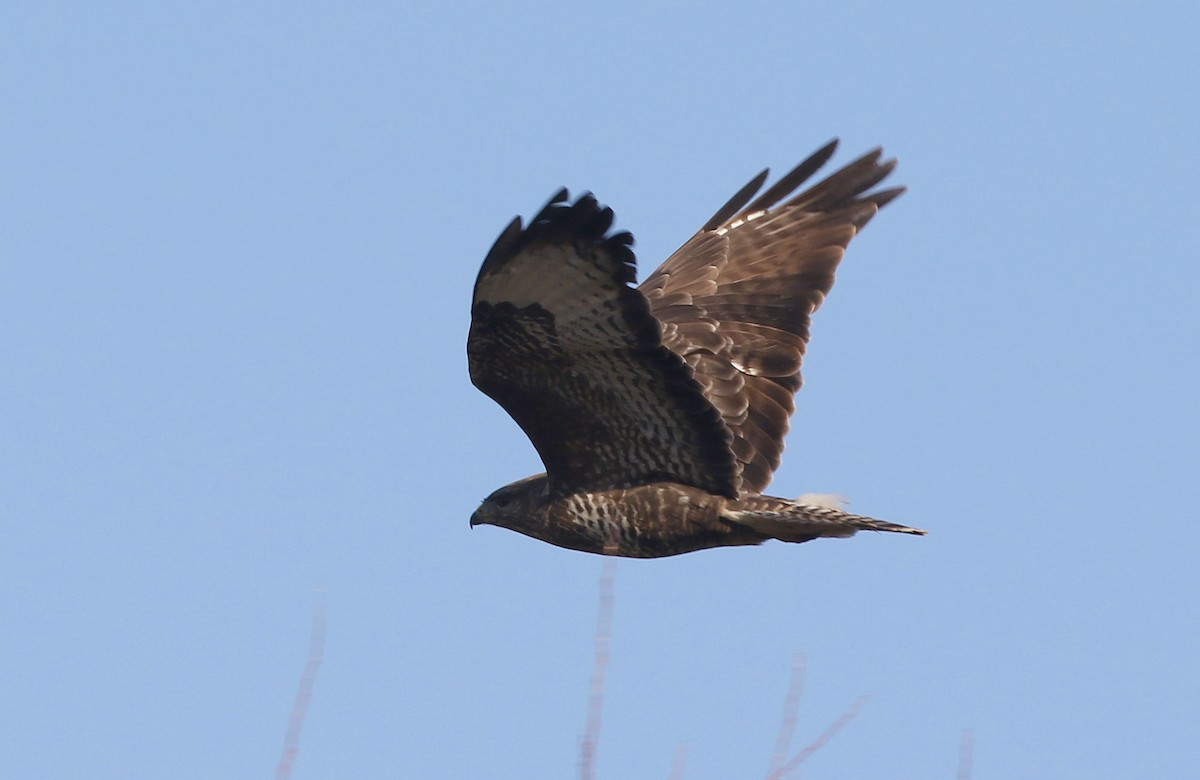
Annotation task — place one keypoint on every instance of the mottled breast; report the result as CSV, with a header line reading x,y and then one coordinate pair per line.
x,y
644,521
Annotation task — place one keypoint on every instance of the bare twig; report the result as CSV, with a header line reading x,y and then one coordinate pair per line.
x,y
966,754
316,652
680,762
591,734
791,704
820,741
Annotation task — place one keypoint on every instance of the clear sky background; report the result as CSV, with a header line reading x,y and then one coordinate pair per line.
x,y
237,244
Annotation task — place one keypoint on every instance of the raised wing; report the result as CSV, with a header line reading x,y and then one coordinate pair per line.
x,y
736,300
561,340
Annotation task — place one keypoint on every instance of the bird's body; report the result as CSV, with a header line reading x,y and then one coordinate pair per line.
x,y
660,411
658,519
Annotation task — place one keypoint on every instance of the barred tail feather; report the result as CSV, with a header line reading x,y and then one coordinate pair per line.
x,y
792,521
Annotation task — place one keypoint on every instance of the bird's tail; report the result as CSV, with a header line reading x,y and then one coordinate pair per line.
x,y
802,520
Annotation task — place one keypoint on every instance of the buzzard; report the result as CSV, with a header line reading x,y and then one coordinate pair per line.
x,y
659,411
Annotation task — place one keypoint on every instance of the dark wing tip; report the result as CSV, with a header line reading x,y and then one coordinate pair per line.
x,y
585,222
845,185
505,243
884,197
562,196
509,240
734,204
794,178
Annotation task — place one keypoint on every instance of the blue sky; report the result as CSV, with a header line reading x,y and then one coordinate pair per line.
x,y
237,243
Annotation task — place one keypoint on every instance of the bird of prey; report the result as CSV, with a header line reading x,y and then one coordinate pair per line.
x,y
660,410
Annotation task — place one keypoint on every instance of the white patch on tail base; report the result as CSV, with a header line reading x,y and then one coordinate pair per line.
x,y
827,500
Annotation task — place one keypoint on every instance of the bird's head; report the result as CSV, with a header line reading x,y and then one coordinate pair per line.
x,y
520,506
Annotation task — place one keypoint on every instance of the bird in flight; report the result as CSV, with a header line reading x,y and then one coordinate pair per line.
x,y
659,411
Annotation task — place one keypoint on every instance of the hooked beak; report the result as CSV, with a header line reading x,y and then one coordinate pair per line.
x,y
476,519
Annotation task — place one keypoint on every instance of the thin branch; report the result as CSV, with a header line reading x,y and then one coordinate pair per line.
x,y
591,734
821,741
791,705
680,762
316,652
966,754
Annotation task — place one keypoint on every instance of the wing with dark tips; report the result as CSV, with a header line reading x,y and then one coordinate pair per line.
x,y
736,301
570,349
